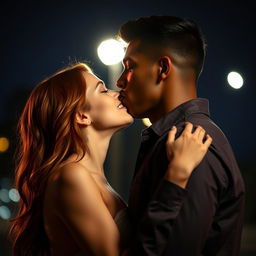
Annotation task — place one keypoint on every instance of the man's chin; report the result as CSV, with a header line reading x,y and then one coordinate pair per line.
x,y
133,113
129,111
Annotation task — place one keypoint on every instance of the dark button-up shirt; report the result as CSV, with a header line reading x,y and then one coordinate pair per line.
x,y
206,218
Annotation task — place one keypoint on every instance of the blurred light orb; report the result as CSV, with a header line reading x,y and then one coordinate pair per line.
x,y
235,80
4,144
111,51
14,195
146,122
5,212
4,195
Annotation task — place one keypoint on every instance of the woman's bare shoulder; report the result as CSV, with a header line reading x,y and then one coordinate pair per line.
x,y
72,188
71,173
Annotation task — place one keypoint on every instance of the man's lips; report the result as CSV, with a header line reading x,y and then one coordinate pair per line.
x,y
122,98
121,94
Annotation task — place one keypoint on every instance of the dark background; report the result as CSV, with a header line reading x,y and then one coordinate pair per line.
x,y
40,37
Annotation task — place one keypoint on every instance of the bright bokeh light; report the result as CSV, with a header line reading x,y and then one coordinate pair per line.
x,y
111,51
235,80
4,144
146,122
14,195
5,212
4,196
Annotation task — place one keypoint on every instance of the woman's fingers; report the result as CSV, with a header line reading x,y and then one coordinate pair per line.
x,y
197,130
188,127
170,141
171,134
186,152
208,141
201,134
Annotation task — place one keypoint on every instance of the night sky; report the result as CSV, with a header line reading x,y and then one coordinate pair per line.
x,y
40,37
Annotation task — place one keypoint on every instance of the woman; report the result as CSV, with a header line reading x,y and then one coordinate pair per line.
x,y
67,206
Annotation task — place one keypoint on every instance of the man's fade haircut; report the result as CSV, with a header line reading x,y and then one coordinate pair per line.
x,y
182,36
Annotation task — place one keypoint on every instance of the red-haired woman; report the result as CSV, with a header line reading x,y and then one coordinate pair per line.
x,y
67,206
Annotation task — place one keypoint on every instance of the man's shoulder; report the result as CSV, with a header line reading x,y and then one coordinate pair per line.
x,y
210,127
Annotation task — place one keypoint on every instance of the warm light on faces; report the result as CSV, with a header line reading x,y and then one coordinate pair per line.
x,y
140,91
105,110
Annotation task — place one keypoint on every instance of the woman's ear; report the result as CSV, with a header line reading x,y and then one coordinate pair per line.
x,y
83,118
165,66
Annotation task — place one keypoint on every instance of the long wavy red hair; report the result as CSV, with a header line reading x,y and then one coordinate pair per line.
x,y
48,135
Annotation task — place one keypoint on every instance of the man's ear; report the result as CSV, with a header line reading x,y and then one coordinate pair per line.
x,y
165,66
83,118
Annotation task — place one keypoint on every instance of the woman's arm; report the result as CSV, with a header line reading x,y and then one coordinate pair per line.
x,y
185,153
83,211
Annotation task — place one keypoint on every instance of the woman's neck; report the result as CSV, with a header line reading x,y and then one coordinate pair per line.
x,y
97,144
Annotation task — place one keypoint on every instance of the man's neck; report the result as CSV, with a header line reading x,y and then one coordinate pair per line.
x,y
173,96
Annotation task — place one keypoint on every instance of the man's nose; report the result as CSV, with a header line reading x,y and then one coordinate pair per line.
x,y
121,83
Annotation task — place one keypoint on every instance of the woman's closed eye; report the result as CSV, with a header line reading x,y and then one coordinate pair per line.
x,y
104,90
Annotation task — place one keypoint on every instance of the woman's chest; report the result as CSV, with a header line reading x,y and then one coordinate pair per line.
x,y
111,198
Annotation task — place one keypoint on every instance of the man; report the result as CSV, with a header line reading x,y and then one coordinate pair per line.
x,y
163,61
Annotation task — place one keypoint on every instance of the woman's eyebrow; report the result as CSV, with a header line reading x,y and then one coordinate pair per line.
x,y
98,83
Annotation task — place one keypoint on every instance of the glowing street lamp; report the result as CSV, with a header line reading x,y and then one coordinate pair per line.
x,y
111,51
235,80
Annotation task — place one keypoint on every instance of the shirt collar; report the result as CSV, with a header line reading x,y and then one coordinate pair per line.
x,y
181,112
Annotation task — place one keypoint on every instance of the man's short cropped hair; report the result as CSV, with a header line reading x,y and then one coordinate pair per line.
x,y
182,36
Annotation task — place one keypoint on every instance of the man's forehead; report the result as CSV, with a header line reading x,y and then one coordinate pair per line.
x,y
132,49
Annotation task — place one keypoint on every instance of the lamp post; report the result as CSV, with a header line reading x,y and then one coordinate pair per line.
x,y
111,53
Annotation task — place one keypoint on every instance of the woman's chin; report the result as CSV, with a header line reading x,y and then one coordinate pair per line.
x,y
125,124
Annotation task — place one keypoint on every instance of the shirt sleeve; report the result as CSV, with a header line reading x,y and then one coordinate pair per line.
x,y
157,223
176,215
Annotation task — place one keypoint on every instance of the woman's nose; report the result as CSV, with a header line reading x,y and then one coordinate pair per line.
x,y
115,94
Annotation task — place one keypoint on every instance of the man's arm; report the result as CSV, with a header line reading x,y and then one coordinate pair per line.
x,y
152,233
178,218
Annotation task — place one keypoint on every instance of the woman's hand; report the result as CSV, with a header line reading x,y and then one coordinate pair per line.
x,y
185,153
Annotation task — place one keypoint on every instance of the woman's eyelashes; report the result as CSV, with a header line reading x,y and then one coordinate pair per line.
x,y
104,90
